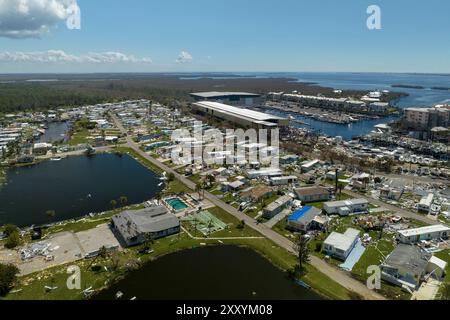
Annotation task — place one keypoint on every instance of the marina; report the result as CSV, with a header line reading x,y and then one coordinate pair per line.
x,y
346,131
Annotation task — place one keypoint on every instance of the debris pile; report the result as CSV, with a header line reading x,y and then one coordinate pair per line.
x,y
34,250
378,223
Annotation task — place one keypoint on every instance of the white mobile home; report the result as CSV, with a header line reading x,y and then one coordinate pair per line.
x,y
435,232
425,203
344,208
340,245
281,181
310,165
277,206
265,172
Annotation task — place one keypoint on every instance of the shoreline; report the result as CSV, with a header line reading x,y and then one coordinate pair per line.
x,y
282,259
3,182
243,246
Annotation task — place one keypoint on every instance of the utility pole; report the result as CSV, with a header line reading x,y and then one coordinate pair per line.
x,y
336,181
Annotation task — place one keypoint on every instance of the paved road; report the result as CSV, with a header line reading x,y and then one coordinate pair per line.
x,y
337,275
401,212
418,179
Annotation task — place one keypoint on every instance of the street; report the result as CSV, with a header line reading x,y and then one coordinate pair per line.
x,y
337,275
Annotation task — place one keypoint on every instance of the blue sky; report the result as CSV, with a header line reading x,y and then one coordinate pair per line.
x,y
232,35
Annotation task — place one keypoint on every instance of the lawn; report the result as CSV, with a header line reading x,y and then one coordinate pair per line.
x,y
444,255
375,254
196,178
80,136
149,165
32,286
261,205
175,187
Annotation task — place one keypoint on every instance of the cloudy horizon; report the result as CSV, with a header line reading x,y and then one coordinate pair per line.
x,y
81,36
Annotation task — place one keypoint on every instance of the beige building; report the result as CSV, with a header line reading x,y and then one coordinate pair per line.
x,y
428,118
417,117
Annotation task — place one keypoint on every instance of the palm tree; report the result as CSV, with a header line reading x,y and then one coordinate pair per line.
x,y
113,204
204,186
198,189
302,250
102,253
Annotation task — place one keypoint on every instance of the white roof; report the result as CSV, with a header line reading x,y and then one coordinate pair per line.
x,y
265,171
254,115
310,163
215,94
427,200
342,241
42,145
423,230
283,178
347,203
438,262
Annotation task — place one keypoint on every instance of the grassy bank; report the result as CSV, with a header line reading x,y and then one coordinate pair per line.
x,y
119,264
33,286
2,176
139,158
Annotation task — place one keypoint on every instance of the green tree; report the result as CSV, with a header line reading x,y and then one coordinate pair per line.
x,y
302,251
241,225
123,201
8,276
113,203
198,189
170,177
13,240
103,253
10,228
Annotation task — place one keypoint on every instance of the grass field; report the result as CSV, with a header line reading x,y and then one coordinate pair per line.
x,y
80,136
139,158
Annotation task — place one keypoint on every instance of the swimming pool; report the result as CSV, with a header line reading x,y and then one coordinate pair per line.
x,y
177,204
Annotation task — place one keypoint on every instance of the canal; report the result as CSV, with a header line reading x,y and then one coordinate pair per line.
x,y
56,131
73,187
210,273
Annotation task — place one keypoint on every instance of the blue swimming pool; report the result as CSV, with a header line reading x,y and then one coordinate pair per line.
x,y
177,204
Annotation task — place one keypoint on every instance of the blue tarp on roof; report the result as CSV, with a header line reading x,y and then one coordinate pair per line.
x,y
300,213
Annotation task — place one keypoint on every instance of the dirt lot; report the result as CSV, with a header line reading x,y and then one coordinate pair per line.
x,y
65,247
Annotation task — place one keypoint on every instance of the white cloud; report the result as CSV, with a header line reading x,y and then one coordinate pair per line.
x,y
59,56
184,57
32,18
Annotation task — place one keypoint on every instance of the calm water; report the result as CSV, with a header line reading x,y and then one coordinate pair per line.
x,y
367,81
370,81
346,131
212,273
382,81
56,131
73,187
